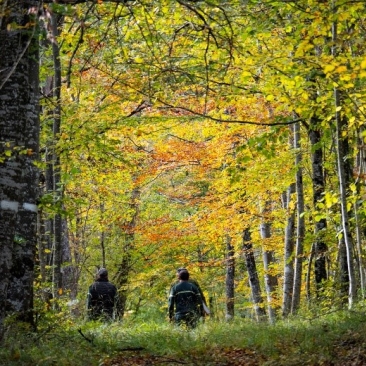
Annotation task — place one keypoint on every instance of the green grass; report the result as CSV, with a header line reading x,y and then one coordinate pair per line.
x,y
297,341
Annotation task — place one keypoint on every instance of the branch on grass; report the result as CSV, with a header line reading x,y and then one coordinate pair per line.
x,y
131,349
85,337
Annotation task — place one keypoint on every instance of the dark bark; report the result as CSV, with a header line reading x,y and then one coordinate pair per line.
x,y
230,277
270,281
19,143
343,268
320,247
253,275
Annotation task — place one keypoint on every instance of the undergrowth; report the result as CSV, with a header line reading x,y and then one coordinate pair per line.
x,y
65,342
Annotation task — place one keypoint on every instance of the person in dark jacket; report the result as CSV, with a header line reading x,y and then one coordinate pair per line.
x,y
102,299
184,301
203,310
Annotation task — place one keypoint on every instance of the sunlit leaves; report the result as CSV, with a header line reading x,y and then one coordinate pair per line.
x,y
151,96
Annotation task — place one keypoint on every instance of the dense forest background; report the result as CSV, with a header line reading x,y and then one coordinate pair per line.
x,y
222,136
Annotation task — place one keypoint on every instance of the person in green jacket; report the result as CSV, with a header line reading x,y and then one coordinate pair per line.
x,y
204,310
185,302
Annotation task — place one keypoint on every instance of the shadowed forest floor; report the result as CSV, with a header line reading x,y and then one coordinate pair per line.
x,y
349,351
217,357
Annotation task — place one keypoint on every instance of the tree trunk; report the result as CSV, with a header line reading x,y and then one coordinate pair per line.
x,y
270,281
343,278
300,223
361,170
253,275
343,177
319,247
360,256
19,143
230,276
288,276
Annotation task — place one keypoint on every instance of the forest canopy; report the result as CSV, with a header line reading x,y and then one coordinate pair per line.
x,y
226,137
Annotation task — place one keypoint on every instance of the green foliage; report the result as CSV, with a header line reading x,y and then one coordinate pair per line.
x,y
147,95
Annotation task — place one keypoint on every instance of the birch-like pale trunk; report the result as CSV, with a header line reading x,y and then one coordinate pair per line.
x,y
270,281
300,227
19,144
361,169
361,267
341,125
288,275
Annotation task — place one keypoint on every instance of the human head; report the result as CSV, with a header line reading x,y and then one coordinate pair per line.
x,y
183,275
179,270
102,273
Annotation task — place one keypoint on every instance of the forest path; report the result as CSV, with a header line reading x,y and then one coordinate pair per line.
x,y
349,352
217,357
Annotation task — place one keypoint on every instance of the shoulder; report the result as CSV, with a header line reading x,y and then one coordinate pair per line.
x,y
173,291
194,282
93,289
174,286
187,285
194,287
93,286
111,285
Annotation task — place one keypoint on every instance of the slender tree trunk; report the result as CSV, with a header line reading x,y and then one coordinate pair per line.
x,y
230,277
253,275
57,189
361,267
308,274
361,170
341,125
343,278
19,143
300,222
288,276
344,213
102,234
55,223
320,248
270,281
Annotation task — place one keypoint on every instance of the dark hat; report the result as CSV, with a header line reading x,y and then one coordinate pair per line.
x,y
103,272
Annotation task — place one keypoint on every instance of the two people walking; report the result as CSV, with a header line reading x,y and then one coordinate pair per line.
x,y
186,303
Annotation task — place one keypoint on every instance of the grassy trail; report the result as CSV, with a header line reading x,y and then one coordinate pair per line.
x,y
337,339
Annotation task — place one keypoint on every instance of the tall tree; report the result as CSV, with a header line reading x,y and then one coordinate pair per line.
x,y
288,276
19,139
300,227
270,280
253,275
230,278
344,176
